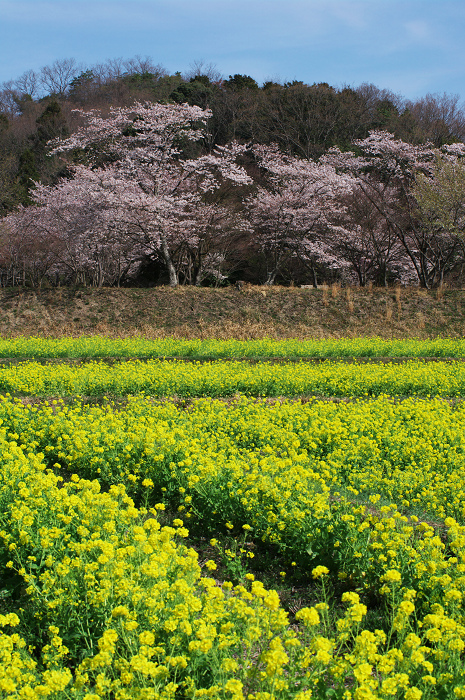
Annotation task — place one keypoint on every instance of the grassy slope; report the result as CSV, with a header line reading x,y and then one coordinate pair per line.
x,y
254,312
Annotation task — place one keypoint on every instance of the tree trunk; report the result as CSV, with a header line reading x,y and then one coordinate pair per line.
x,y
314,278
169,263
271,277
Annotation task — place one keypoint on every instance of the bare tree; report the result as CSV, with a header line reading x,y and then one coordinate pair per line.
x,y
28,84
112,69
57,77
139,65
200,67
441,118
373,95
9,100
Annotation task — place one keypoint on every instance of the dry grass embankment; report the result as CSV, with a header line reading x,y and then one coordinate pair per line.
x,y
254,312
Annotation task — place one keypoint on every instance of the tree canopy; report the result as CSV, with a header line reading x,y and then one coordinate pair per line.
x,y
110,169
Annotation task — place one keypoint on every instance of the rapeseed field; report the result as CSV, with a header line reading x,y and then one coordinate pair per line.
x,y
232,530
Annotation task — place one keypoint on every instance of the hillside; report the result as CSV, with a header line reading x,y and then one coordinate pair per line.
x,y
254,312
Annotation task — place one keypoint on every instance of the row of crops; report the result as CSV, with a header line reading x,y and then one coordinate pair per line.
x,y
164,378
102,346
239,548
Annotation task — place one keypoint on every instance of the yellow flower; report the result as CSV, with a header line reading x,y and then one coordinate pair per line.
x,y
147,638
413,693
235,688
309,616
391,576
319,571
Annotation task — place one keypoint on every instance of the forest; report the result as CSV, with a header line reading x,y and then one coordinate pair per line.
x,y
122,174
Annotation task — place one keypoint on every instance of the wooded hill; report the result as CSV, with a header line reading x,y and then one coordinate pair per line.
x,y
377,219
305,120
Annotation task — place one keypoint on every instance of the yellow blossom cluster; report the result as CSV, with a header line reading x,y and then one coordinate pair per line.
x,y
123,601
272,466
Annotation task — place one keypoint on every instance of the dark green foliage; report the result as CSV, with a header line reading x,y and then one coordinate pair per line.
x,y
198,91
240,82
82,87
27,175
305,120
140,81
51,124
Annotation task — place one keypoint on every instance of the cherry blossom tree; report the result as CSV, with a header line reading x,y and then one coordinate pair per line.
x,y
386,211
369,247
75,221
385,170
207,234
135,149
27,254
295,214
152,192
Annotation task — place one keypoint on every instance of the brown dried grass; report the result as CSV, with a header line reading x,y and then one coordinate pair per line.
x,y
253,312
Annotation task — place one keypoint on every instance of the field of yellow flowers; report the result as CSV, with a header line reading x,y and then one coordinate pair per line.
x,y
169,531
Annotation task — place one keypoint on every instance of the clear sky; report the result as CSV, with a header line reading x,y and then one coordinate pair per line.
x,y
411,47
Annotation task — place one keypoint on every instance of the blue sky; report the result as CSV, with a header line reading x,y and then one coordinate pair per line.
x,y
411,47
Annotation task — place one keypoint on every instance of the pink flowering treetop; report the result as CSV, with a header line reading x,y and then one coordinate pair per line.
x,y
152,193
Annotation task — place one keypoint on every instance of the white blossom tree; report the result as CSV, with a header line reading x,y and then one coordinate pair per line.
x,y
75,221
370,247
385,170
295,215
148,193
